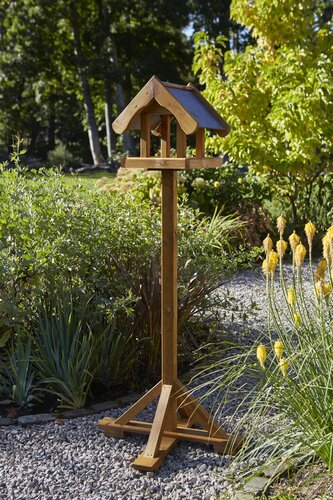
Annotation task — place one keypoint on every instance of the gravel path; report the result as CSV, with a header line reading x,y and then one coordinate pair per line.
x,y
76,460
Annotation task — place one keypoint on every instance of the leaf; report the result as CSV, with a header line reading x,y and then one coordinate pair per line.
x,y
5,337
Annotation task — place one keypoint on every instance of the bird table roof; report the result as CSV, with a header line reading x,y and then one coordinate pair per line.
x,y
184,102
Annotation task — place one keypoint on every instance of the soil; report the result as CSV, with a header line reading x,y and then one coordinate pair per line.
x,y
309,483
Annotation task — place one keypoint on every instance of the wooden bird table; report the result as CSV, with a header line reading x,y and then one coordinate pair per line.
x,y
151,111
177,409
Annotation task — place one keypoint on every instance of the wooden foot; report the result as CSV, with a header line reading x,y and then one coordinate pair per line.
x,y
167,429
161,415
147,463
198,413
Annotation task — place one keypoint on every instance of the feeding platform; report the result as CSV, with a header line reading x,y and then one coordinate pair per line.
x,y
152,111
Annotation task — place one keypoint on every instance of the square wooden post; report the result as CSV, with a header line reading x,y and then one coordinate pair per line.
x,y
168,263
169,277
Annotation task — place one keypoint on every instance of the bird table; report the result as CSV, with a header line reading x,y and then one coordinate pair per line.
x,y
151,111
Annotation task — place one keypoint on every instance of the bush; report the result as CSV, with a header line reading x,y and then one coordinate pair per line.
x,y
61,157
312,199
234,190
230,189
103,250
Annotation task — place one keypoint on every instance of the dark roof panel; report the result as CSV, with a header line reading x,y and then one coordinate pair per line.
x,y
190,101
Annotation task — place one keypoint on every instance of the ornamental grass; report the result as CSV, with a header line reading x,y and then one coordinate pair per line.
x,y
281,387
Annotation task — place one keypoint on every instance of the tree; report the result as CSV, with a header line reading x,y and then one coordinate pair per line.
x,y
70,67
213,17
36,62
81,65
277,94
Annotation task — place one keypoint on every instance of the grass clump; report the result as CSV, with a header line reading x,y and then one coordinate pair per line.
x,y
280,388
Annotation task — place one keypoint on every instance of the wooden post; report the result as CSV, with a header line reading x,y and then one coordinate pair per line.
x,y
200,143
169,274
181,142
145,136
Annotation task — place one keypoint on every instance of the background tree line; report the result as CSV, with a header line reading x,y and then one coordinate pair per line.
x,y
67,68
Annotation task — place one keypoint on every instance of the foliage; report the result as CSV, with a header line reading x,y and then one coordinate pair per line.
x,y
43,97
214,17
63,353
276,95
20,373
229,189
283,385
62,241
232,190
61,157
115,358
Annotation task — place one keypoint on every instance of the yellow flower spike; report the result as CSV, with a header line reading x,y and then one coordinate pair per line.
x,y
268,244
300,254
281,225
283,364
310,230
217,184
261,355
278,349
297,319
265,267
294,240
291,297
273,260
281,247
321,270
327,289
329,233
326,248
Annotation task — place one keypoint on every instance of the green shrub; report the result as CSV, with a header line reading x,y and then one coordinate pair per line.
x,y
115,357
312,199
230,189
63,241
61,157
63,353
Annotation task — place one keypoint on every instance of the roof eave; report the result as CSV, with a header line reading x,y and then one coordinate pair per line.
x,y
156,90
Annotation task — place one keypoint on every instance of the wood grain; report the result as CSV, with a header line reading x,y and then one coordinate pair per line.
x,y
145,136
156,163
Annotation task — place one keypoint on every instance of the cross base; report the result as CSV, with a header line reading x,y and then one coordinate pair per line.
x,y
177,412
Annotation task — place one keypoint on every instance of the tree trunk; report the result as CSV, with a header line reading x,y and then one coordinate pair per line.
x,y
108,115
105,21
120,101
33,138
94,142
51,132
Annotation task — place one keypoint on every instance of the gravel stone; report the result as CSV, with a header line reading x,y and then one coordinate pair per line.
x,y
256,485
77,461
